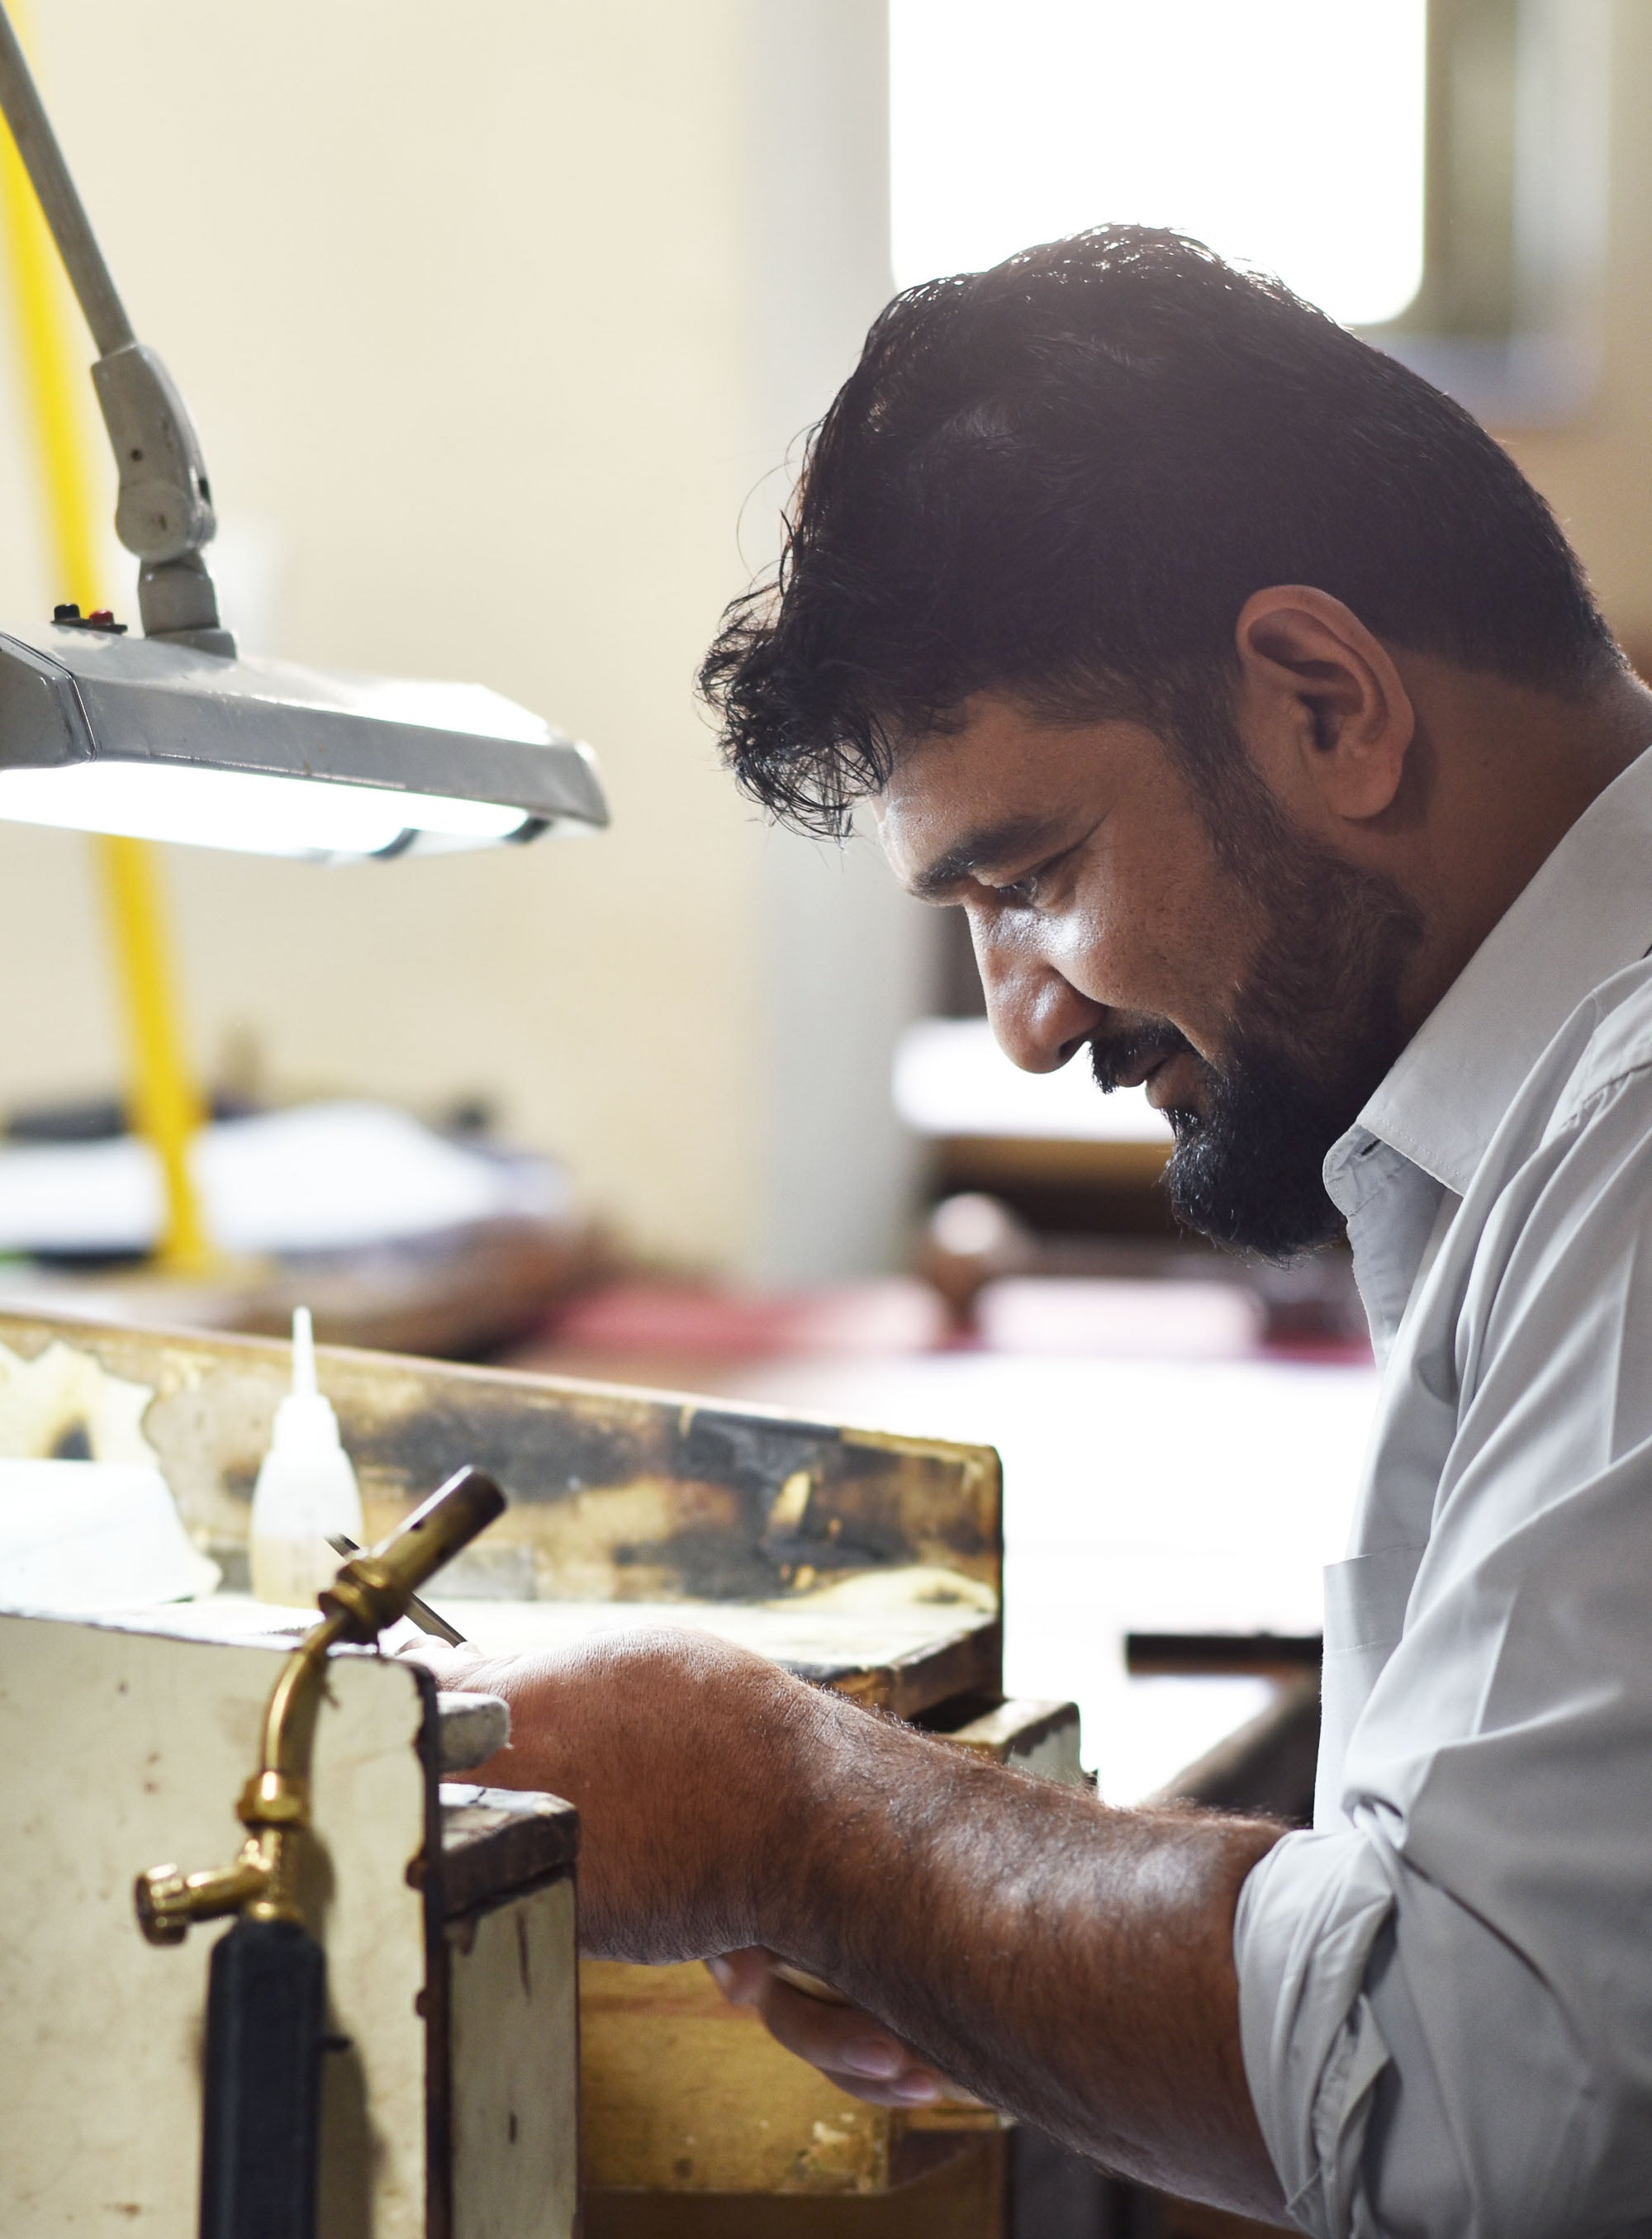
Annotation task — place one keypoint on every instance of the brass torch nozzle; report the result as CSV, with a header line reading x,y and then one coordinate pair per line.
x,y
375,1587
371,1592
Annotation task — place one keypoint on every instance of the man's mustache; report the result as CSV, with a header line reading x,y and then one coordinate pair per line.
x,y
1115,1058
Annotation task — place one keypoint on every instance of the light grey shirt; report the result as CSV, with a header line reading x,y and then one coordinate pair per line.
x,y
1446,1986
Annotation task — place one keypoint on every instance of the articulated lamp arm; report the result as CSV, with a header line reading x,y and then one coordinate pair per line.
x,y
163,512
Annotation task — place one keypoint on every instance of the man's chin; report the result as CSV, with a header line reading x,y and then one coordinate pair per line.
x,y
1267,1199
1280,1228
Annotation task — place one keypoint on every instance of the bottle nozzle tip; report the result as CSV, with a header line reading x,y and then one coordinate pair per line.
x,y
303,1351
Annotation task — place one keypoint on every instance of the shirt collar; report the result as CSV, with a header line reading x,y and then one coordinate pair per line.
x,y
1586,914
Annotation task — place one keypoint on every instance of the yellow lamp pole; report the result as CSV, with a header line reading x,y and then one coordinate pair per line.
x,y
167,1109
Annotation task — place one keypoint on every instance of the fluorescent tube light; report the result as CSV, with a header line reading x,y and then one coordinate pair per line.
x,y
249,813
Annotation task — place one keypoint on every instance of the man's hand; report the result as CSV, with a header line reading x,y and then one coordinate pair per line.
x,y
676,1749
1069,1964
858,2054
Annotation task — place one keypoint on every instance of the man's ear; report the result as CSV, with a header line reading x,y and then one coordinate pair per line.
x,y
1323,707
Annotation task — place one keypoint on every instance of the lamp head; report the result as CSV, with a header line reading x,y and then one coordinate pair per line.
x,y
162,740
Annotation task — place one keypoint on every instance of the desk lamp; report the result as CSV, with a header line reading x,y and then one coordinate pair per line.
x,y
175,735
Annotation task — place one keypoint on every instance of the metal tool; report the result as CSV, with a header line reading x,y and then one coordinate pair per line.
x,y
267,1989
420,1612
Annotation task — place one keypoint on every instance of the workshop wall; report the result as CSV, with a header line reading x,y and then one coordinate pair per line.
x,y
491,323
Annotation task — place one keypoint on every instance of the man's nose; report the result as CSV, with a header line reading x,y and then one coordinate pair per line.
x,y
1039,1020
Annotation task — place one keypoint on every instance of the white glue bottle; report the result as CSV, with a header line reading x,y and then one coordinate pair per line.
x,y
306,1488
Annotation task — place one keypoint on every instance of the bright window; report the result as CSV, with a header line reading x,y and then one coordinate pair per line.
x,y
1287,134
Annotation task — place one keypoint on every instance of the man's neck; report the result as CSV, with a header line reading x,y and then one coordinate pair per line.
x,y
1502,773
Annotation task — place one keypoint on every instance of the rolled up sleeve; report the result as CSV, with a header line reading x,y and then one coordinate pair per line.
x,y
1309,1916
1412,2074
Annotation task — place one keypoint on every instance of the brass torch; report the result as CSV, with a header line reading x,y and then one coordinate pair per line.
x,y
267,1996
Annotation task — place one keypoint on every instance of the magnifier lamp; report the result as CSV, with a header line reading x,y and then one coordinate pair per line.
x,y
176,735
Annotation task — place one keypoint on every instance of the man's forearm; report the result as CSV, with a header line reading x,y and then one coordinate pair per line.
x,y
1070,1964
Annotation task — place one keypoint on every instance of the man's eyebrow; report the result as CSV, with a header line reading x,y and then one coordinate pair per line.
x,y
1012,838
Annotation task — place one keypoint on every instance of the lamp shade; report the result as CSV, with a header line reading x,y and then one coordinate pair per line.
x,y
101,732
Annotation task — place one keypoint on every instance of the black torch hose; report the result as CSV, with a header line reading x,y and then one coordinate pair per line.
x,y
266,2027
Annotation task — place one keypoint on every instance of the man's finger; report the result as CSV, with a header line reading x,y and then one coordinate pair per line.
x,y
848,2045
452,1667
743,1976
840,2040
915,2087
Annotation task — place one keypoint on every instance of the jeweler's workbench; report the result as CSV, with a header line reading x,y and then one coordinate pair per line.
x,y
870,1564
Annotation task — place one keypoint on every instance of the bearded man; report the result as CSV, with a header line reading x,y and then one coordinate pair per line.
x,y
1254,710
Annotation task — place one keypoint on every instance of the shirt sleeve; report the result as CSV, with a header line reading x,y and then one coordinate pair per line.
x,y
1446,1999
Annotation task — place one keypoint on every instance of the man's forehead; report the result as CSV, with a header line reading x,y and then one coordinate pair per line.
x,y
979,794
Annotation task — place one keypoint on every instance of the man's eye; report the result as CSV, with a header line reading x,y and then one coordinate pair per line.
x,y
1025,892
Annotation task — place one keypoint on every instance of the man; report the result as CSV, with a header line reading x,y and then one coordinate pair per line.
x,y
1254,710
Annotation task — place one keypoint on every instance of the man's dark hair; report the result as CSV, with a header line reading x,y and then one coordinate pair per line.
x,y
1061,479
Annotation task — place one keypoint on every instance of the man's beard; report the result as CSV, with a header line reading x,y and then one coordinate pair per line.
x,y
1313,1030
